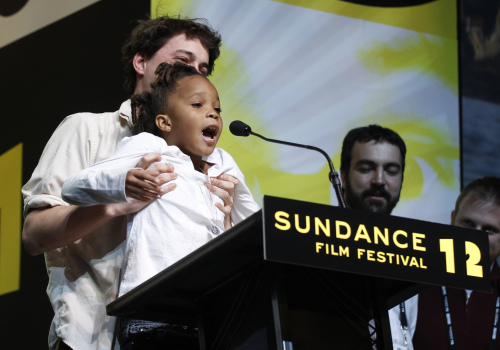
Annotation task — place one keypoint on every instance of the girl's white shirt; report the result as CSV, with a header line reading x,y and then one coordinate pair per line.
x,y
174,225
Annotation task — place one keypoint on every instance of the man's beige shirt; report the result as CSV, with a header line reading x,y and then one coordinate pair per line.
x,y
83,276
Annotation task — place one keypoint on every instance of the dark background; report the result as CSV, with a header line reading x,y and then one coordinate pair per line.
x,y
480,92
74,66
70,66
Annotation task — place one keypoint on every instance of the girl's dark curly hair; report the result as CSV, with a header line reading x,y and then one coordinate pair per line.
x,y
147,105
150,35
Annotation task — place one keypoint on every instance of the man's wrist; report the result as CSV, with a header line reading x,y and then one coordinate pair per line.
x,y
109,211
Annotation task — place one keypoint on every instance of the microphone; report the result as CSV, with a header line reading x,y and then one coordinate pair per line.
x,y
238,128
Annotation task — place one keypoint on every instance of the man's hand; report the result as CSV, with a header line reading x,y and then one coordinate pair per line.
x,y
223,187
49,228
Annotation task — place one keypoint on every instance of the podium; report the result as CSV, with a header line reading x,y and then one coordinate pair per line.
x,y
301,275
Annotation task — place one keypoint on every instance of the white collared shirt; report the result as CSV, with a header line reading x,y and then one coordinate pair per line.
x,y
83,276
176,224
411,309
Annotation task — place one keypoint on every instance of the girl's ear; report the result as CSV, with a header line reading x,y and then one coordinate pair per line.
x,y
139,63
163,122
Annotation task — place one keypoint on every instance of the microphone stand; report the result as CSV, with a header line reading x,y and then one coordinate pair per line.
x,y
333,175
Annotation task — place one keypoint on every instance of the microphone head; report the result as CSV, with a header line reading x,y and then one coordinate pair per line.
x,y
238,128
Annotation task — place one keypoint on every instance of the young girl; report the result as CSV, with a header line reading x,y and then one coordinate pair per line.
x,y
179,119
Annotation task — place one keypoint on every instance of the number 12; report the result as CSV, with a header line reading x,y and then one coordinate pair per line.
x,y
472,250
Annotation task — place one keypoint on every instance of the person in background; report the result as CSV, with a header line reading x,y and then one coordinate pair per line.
x,y
471,322
372,168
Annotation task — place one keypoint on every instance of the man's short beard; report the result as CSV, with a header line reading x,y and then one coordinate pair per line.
x,y
363,203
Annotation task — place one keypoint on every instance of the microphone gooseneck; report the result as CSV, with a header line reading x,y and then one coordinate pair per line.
x,y
238,128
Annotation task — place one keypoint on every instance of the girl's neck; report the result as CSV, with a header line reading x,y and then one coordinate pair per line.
x,y
197,163
201,165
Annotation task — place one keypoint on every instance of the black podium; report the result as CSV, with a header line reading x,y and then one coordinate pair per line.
x,y
307,276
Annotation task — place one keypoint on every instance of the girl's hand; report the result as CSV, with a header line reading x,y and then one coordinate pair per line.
x,y
223,187
145,184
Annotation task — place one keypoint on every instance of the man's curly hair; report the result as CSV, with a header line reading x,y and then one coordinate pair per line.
x,y
150,35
